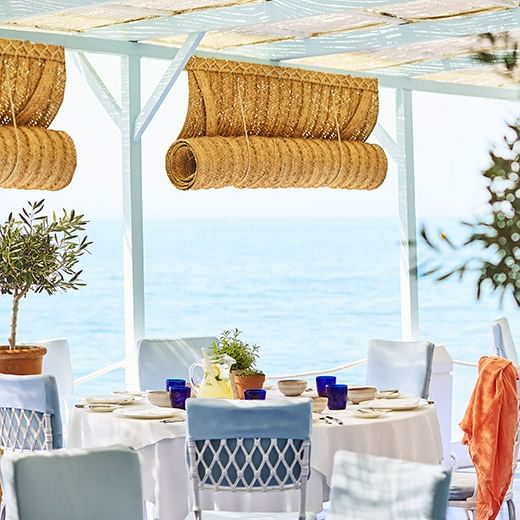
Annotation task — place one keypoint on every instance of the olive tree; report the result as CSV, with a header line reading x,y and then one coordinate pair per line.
x,y
40,253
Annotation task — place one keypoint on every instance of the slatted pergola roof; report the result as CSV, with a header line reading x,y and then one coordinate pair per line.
x,y
420,44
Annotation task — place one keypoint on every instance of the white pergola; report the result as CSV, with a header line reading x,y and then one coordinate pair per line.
x,y
408,45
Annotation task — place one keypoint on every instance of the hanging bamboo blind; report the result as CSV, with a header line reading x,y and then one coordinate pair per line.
x,y
32,84
259,126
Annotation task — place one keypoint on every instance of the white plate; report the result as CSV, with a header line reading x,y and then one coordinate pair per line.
x,y
394,404
369,414
388,395
101,408
111,399
148,413
133,394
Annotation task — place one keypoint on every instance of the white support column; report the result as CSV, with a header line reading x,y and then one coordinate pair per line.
x,y
132,214
408,225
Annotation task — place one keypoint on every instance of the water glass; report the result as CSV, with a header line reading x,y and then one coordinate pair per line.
x,y
322,382
172,383
178,396
255,394
337,395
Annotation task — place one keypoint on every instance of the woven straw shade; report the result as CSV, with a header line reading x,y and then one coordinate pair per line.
x,y
33,78
36,158
32,85
258,126
263,162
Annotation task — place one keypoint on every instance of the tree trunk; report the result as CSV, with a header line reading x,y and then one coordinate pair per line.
x,y
14,320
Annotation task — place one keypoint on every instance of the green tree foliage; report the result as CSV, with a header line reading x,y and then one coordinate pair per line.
x,y
491,249
40,254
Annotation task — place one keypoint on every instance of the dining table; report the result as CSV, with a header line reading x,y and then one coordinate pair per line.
x,y
409,435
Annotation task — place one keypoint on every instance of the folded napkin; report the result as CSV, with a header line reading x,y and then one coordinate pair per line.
x,y
489,426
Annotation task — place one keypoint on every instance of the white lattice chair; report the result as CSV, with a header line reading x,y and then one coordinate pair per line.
x,y
159,359
29,415
463,492
464,485
248,446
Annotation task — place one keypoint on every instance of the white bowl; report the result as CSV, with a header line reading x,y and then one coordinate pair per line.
x,y
292,387
357,394
319,404
159,398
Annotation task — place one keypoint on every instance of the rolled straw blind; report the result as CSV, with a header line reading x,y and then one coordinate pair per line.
x,y
259,126
32,85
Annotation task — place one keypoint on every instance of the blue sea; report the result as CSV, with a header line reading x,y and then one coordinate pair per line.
x,y
310,292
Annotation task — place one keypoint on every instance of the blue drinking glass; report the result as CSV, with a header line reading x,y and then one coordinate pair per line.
x,y
178,396
172,383
337,395
322,382
255,394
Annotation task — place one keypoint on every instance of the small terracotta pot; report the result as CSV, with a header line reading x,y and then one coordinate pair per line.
x,y
21,361
246,382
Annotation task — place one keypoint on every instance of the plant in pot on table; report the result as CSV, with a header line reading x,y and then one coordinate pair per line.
x,y
38,254
245,373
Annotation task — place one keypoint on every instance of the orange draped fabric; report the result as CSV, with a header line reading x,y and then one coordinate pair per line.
x,y
489,426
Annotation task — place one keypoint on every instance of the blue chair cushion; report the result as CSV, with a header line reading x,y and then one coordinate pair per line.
x,y
229,419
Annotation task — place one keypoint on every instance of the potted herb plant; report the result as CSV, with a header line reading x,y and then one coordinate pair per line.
x,y
38,254
245,373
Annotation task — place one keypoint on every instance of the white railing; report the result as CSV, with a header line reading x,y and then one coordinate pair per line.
x,y
347,366
465,363
339,368
98,373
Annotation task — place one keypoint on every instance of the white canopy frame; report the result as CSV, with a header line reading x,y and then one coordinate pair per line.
x,y
130,41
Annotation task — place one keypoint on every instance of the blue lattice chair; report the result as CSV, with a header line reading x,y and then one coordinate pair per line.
x,y
246,446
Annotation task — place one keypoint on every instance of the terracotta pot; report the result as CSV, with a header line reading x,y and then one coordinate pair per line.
x,y
22,361
246,382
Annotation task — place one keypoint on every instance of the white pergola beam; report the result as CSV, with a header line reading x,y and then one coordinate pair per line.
x,y
99,88
165,85
81,42
407,217
133,243
392,36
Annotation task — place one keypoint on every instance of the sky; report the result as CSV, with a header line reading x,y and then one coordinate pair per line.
x,y
452,137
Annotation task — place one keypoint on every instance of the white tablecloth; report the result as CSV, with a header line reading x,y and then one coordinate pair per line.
x,y
411,435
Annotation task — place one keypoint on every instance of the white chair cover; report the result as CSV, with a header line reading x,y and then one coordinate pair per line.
x,y
365,487
405,365
160,359
504,344
74,484
57,363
